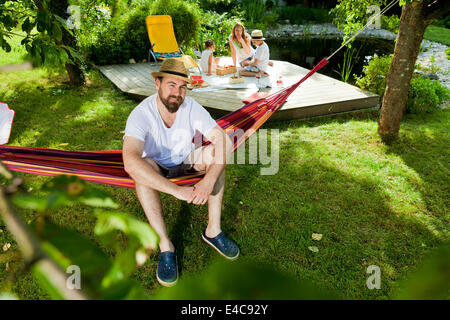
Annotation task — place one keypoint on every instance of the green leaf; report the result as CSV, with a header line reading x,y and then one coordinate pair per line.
x,y
243,280
110,221
56,32
27,26
28,201
6,46
42,21
67,247
124,264
78,190
125,290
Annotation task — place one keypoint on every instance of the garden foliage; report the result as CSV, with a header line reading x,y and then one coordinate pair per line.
x,y
424,94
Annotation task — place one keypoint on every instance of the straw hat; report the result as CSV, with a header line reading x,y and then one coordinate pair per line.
x,y
257,35
173,68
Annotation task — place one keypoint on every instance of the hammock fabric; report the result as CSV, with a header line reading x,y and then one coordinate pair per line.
x,y
106,167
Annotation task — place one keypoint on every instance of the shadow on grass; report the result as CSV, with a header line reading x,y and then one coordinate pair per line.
x,y
423,146
354,212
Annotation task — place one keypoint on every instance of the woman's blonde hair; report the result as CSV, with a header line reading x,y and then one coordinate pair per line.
x,y
245,35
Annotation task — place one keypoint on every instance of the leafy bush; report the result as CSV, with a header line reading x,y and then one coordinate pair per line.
x,y
375,73
300,15
390,23
219,6
217,27
444,22
257,15
185,17
424,95
125,36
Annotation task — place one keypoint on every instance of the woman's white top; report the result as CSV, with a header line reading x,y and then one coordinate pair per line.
x,y
240,52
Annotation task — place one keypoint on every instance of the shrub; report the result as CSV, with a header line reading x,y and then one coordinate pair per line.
x,y
219,6
425,95
185,17
300,15
390,23
375,73
125,36
217,27
257,15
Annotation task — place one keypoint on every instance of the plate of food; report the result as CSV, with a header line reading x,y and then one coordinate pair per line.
x,y
236,79
200,83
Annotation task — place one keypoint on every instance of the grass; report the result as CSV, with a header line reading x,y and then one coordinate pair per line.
x,y
374,204
438,34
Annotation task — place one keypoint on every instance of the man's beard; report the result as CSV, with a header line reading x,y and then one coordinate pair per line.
x,y
171,105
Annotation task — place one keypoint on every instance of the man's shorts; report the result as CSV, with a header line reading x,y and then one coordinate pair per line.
x,y
183,169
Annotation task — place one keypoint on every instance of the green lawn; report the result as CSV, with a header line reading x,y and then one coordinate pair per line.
x,y
374,204
438,34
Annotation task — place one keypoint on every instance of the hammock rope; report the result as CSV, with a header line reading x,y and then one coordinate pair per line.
x,y
106,167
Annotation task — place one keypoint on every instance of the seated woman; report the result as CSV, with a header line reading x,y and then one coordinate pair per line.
x,y
259,63
239,41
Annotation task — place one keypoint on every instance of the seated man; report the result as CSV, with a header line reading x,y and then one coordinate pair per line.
x,y
158,145
258,64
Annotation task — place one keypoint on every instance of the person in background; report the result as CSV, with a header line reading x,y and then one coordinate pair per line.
x,y
259,63
207,61
239,42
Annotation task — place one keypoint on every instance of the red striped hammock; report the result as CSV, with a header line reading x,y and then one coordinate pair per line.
x,y
106,167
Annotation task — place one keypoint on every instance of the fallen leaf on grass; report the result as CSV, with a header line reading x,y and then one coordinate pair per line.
x,y
317,236
6,246
313,249
63,144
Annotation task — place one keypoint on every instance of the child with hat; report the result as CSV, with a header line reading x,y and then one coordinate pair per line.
x,y
259,63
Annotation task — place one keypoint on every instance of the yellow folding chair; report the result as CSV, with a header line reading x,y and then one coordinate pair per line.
x,y
163,43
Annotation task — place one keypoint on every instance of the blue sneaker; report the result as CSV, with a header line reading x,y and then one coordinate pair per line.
x,y
225,246
167,270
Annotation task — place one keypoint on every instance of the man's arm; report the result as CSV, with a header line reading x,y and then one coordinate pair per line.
x,y
223,148
143,173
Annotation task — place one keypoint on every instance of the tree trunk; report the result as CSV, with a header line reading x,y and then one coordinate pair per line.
x,y
76,76
410,35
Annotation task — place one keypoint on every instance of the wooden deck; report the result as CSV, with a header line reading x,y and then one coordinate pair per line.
x,y
319,95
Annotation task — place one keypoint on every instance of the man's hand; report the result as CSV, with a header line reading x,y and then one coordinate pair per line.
x,y
202,191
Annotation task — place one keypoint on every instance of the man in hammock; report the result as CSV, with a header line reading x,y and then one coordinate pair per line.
x,y
158,146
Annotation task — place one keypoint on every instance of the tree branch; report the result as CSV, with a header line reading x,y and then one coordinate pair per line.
x,y
435,10
31,249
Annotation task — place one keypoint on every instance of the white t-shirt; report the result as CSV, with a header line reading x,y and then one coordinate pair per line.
x,y
240,52
168,146
262,54
204,61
